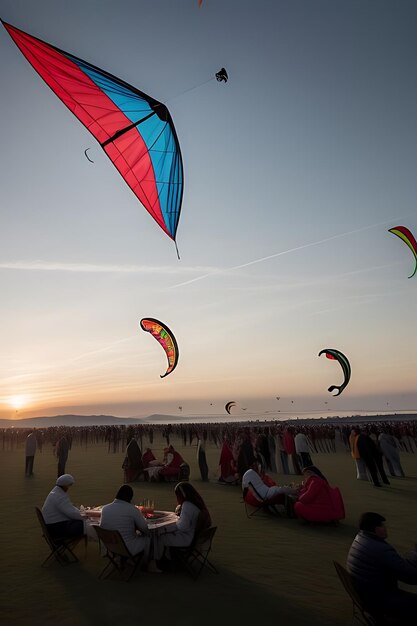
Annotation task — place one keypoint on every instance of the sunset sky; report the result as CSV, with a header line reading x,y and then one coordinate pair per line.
x,y
294,172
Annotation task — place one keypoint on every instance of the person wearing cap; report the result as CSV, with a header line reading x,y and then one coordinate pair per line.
x,y
62,518
376,568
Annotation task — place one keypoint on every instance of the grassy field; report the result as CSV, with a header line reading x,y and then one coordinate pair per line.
x,y
270,568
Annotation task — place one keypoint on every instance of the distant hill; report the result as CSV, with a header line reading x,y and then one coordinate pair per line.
x,y
69,420
111,420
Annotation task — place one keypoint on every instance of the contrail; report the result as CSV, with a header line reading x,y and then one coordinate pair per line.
x,y
277,254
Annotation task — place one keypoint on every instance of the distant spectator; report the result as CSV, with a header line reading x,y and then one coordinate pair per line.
x,y
360,463
61,451
390,450
302,448
31,445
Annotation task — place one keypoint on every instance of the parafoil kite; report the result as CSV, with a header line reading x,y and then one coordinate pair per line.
x,y
338,356
222,75
135,130
167,340
229,405
403,233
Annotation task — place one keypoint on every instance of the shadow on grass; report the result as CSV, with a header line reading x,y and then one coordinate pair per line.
x,y
176,598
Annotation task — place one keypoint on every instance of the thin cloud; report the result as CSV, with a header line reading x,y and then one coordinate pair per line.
x,y
92,268
277,254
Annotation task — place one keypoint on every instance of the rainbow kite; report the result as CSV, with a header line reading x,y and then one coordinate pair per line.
x,y
165,337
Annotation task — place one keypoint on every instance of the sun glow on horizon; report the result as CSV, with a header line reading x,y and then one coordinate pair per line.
x,y
18,401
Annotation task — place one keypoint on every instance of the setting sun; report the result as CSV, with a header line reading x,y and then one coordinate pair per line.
x,y
17,402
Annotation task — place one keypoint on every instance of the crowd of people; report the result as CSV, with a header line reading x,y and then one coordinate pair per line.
x,y
248,455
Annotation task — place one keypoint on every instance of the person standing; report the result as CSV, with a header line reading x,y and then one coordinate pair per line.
x,y
302,449
360,463
31,446
62,449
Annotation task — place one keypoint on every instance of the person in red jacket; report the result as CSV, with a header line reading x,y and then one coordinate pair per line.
x,y
317,500
172,462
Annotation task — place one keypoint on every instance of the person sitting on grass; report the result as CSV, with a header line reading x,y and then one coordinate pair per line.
x,y
317,500
260,490
62,518
376,568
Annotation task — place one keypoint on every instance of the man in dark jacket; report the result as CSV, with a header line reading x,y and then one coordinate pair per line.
x,y
377,568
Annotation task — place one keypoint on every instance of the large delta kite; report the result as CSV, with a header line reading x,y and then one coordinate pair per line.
x,y
134,130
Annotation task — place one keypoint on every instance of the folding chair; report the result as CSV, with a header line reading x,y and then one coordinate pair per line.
x,y
194,558
359,613
61,548
251,505
117,554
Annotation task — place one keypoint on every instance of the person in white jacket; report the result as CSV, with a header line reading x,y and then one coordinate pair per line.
x,y
62,518
123,516
193,517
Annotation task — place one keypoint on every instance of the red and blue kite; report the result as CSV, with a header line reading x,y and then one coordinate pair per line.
x,y
134,130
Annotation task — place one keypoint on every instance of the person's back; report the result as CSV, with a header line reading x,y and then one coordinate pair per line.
x,y
376,568
123,516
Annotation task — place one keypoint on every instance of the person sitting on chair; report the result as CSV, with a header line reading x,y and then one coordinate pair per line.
x,y
62,518
317,500
376,568
123,516
172,462
259,489
193,517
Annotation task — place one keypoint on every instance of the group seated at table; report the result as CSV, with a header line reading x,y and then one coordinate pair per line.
x,y
317,501
260,490
163,470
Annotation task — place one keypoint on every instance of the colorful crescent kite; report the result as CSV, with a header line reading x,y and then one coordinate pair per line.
x,y
229,405
403,233
336,355
167,340
134,130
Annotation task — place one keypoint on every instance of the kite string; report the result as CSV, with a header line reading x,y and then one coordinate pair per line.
x,y
189,89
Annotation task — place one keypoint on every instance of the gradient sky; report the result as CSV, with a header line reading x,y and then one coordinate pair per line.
x,y
294,172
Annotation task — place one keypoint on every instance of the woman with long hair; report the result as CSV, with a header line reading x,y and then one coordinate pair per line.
x,y
193,517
